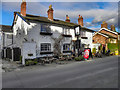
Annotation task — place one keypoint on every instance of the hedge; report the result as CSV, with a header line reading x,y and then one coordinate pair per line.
x,y
119,46
114,46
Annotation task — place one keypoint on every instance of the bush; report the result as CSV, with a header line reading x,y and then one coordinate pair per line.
x,y
31,62
114,46
21,59
94,50
35,61
26,62
80,58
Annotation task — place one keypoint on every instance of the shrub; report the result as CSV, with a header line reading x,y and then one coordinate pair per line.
x,y
80,58
21,59
94,50
35,61
114,46
31,61
77,58
26,62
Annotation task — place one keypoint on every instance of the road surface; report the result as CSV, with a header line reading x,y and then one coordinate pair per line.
x,y
97,73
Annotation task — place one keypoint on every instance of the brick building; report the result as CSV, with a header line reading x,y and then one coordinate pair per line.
x,y
105,35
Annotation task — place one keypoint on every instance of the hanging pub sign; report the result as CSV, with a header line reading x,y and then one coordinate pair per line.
x,y
86,53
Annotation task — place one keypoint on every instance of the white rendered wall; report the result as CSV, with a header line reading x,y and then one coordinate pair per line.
x,y
7,40
32,34
88,40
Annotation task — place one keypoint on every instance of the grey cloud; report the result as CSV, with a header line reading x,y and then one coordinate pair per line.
x,y
95,29
98,15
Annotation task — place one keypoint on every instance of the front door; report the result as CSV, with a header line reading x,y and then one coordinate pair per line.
x,y
103,49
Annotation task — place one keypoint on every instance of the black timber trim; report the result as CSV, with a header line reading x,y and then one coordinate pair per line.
x,y
46,52
45,33
67,51
66,35
84,37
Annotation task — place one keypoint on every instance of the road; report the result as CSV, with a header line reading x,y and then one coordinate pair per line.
x,y
97,73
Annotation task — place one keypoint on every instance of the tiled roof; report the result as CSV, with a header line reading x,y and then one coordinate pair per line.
x,y
106,35
46,20
87,29
5,28
55,21
110,36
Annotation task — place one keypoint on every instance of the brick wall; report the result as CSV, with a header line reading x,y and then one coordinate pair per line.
x,y
100,39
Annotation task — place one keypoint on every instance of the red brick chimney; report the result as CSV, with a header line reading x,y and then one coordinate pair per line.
x,y
23,8
50,12
67,18
104,25
112,27
80,20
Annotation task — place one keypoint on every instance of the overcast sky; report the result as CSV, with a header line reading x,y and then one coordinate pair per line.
x,y
94,13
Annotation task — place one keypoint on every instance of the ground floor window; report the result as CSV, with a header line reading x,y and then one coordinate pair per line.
x,y
45,47
66,47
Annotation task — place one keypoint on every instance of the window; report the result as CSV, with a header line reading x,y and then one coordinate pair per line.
x,y
45,28
9,36
83,33
66,31
119,37
83,45
66,47
45,47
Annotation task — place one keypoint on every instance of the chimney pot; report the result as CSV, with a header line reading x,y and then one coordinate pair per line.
x,y
67,18
23,8
112,27
104,25
50,12
80,20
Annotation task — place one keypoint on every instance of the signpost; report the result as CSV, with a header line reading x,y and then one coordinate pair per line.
x,y
86,53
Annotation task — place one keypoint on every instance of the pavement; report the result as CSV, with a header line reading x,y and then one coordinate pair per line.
x,y
96,73
10,66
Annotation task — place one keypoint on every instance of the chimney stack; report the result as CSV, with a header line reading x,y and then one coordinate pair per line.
x,y
67,18
50,12
112,27
23,8
80,20
104,25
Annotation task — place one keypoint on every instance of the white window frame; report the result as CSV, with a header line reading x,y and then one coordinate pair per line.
x,y
9,36
45,47
65,47
83,33
66,31
45,28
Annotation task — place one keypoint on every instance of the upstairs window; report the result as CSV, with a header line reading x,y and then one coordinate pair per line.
x,y
83,33
66,47
9,36
45,47
66,31
45,29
